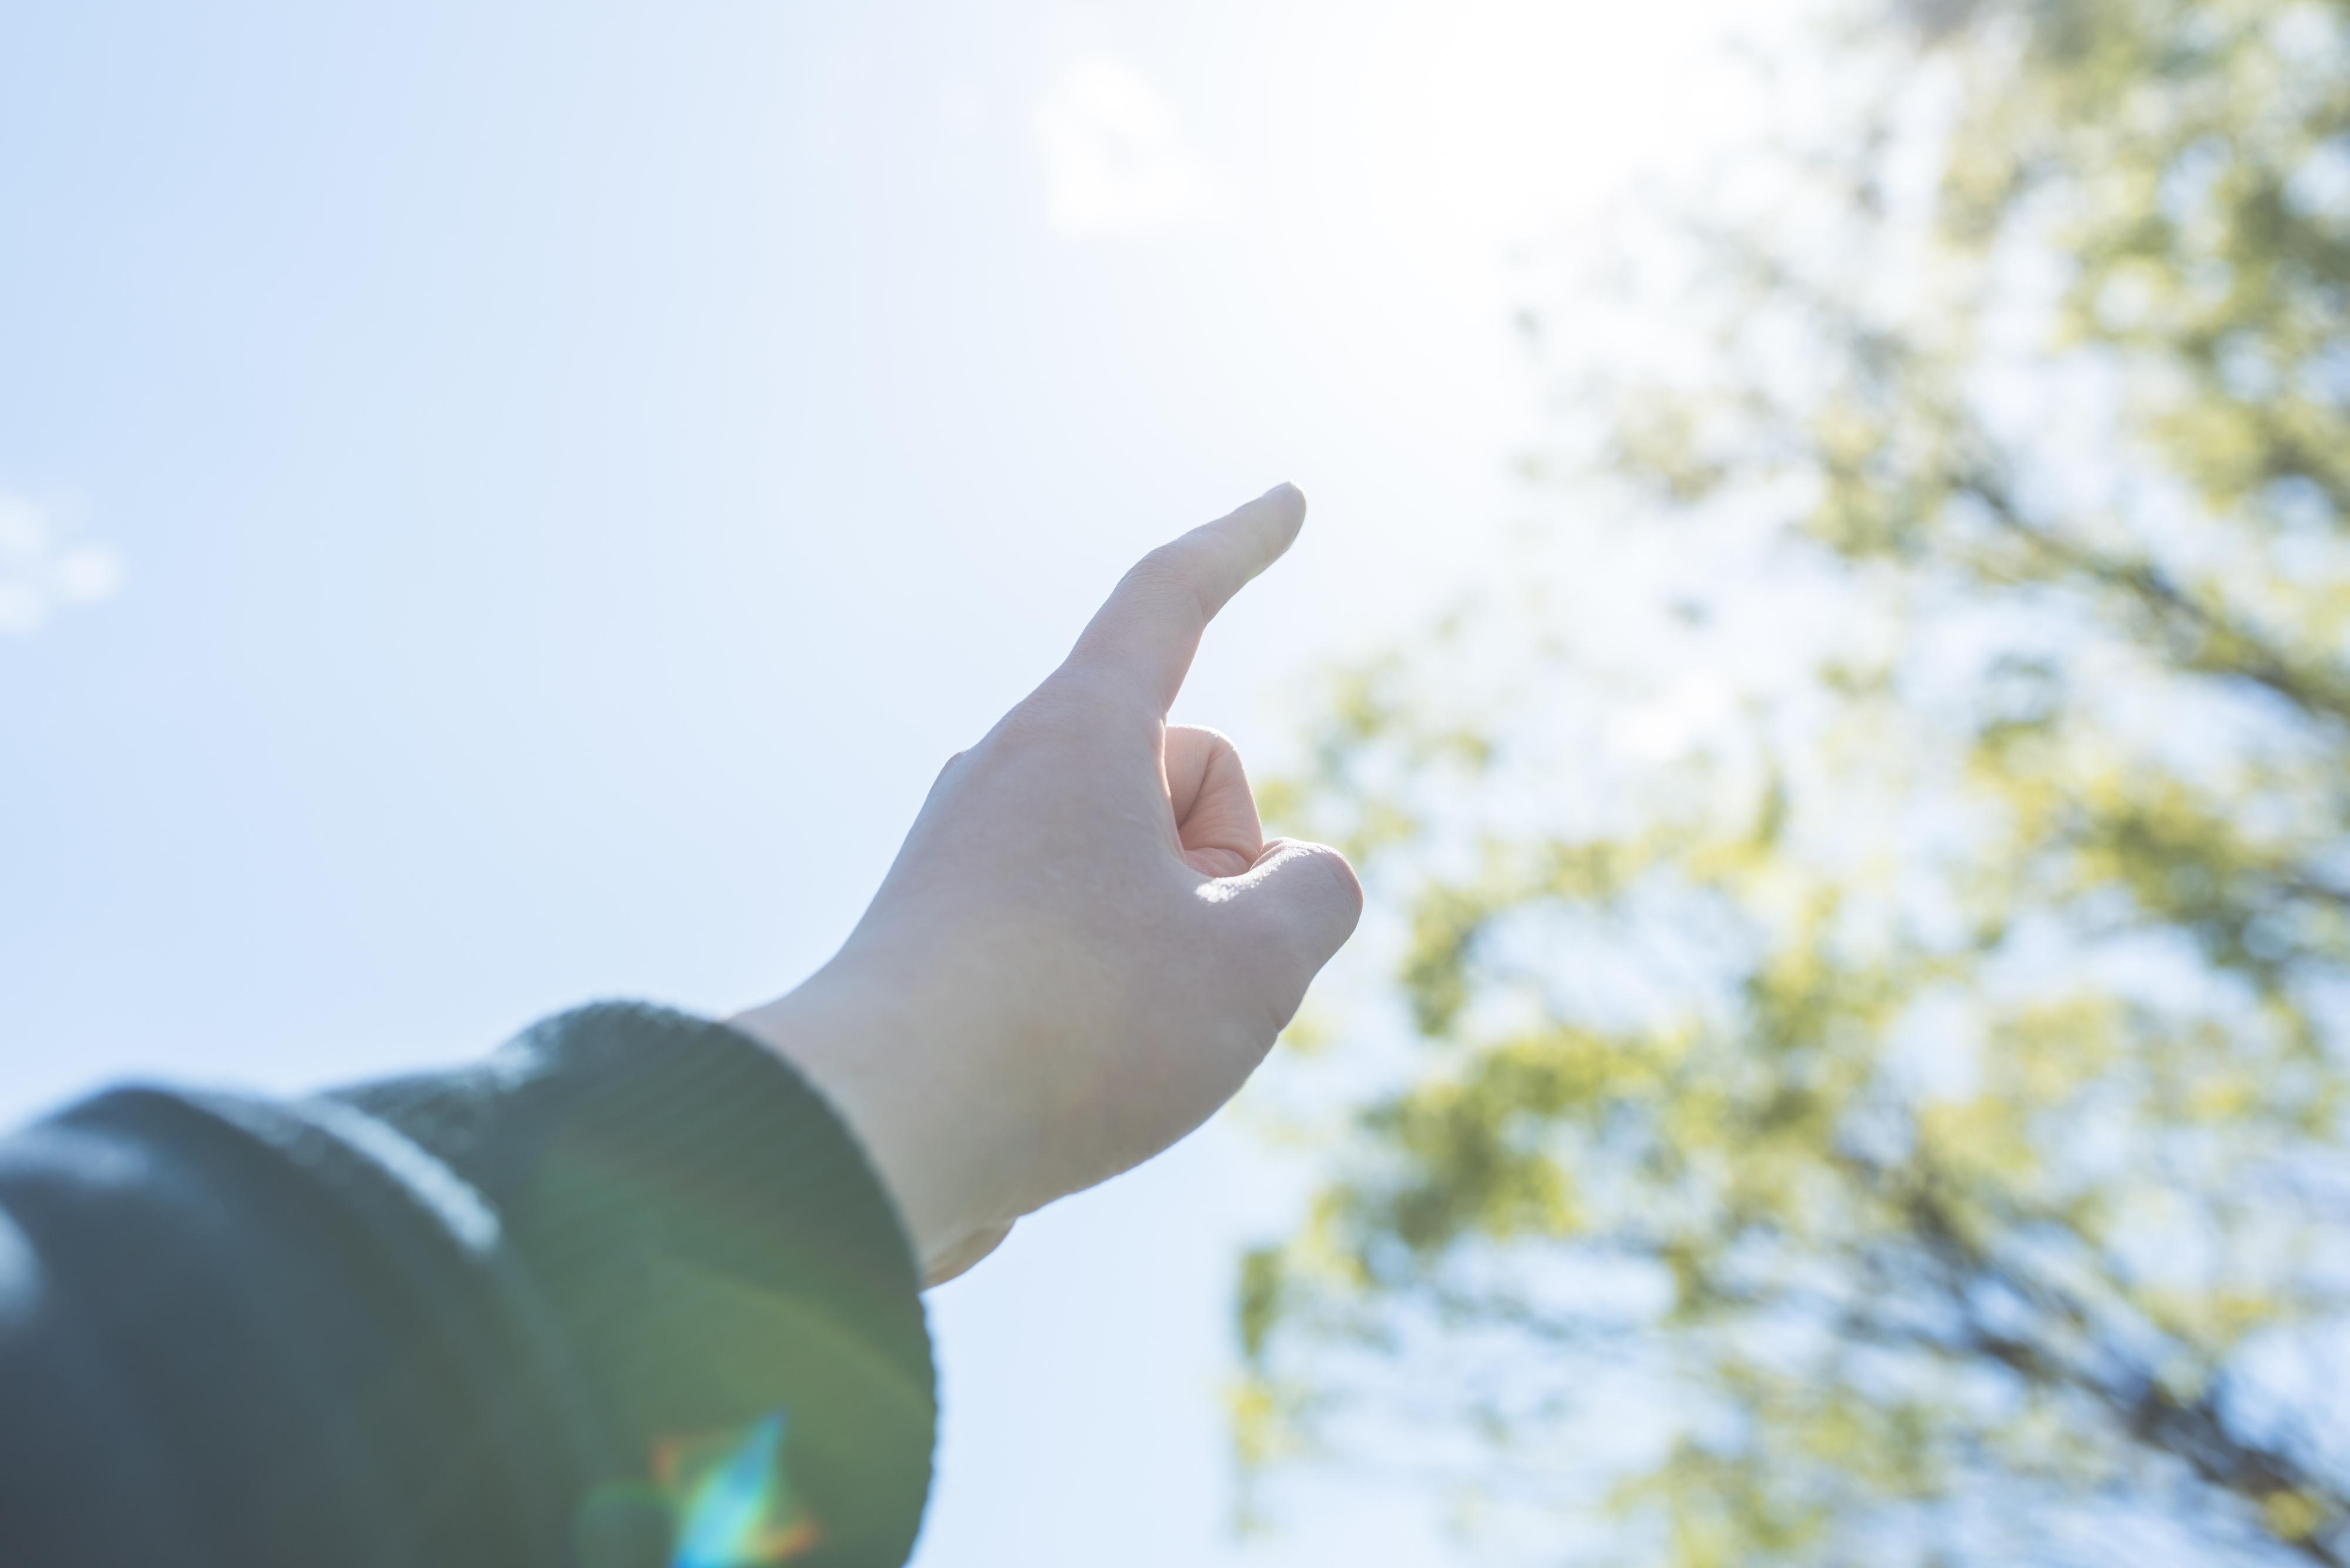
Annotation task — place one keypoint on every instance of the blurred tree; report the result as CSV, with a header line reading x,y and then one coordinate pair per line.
x,y
1875,1034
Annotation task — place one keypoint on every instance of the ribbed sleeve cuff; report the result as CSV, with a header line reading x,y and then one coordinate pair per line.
x,y
725,1266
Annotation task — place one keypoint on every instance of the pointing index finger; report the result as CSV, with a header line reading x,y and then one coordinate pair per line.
x,y
1150,627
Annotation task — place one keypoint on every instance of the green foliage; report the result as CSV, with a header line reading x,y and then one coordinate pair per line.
x,y
1931,1078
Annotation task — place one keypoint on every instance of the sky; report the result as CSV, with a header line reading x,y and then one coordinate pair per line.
x,y
503,505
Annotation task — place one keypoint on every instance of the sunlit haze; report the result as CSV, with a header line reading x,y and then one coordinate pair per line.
x,y
507,505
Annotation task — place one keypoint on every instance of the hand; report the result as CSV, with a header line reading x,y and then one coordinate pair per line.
x,y
1087,944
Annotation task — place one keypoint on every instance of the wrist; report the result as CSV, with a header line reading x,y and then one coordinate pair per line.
x,y
857,1045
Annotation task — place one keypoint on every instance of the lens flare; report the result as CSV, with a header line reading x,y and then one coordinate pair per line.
x,y
736,1504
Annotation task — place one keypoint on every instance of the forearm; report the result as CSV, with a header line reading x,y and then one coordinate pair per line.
x,y
457,1319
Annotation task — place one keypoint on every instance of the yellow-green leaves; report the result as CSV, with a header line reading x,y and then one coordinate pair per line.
x,y
1928,1069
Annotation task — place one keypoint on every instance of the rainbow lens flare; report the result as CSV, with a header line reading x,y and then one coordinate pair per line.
x,y
736,1507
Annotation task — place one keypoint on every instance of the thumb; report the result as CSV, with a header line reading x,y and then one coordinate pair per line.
x,y
1288,915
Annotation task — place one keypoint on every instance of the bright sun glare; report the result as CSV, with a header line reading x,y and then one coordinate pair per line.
x,y
1443,131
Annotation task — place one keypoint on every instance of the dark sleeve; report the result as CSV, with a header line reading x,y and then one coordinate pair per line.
x,y
624,1295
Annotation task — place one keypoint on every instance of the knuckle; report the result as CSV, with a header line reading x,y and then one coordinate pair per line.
x,y
1075,703
1170,571
1212,743
947,771
1165,564
1343,887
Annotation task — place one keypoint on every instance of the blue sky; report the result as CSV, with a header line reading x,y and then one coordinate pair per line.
x,y
503,505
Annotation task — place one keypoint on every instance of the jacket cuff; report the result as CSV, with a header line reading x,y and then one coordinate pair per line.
x,y
725,1266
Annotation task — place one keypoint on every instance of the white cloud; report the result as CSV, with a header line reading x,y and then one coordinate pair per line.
x,y
87,575
38,572
1116,161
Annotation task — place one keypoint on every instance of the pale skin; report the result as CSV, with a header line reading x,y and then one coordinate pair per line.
x,y
1087,944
